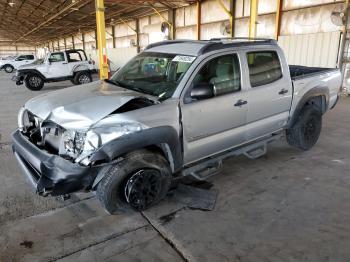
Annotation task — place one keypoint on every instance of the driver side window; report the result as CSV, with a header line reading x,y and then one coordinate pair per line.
x,y
222,74
21,58
56,57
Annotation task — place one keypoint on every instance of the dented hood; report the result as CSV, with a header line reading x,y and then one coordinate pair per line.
x,y
79,107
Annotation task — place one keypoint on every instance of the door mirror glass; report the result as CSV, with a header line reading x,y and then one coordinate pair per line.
x,y
202,91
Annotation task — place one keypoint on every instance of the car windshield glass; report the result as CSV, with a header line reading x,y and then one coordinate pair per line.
x,y
156,74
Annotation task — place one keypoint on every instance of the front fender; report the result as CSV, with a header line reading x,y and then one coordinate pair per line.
x,y
165,138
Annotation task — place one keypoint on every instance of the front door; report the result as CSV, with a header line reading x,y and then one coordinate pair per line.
x,y
58,66
214,124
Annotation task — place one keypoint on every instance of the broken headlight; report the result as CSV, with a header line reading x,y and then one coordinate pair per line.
x,y
72,143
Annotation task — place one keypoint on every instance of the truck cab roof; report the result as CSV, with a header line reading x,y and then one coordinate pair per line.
x,y
200,47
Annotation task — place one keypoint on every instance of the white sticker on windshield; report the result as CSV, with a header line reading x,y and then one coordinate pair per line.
x,y
184,58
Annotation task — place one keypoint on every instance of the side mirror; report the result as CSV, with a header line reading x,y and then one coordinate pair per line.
x,y
202,91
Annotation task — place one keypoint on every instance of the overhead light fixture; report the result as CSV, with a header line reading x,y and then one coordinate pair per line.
x,y
11,3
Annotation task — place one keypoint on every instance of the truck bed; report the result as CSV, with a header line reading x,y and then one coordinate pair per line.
x,y
298,72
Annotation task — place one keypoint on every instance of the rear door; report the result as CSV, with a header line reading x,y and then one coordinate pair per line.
x,y
214,124
76,59
270,92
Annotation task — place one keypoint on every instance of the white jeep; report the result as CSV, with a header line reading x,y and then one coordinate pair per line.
x,y
11,64
58,66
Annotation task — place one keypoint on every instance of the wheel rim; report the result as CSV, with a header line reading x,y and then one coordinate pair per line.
x,y
310,129
143,188
83,79
8,69
35,81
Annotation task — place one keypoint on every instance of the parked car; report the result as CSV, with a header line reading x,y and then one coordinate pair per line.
x,y
10,65
58,66
177,109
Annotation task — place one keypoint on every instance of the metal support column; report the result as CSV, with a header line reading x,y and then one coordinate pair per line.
x,y
278,18
101,38
83,40
65,43
138,44
172,16
344,39
253,18
73,42
233,16
199,19
113,37
58,45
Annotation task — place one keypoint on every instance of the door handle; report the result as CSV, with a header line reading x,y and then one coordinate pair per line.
x,y
283,91
241,102
64,63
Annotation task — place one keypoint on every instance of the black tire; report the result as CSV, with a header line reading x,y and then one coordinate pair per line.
x,y
8,68
81,78
34,82
306,130
141,179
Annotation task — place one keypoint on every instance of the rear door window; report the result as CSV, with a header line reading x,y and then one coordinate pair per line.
x,y
264,67
74,57
30,57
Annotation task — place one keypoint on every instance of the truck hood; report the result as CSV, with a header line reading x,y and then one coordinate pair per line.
x,y
80,107
29,66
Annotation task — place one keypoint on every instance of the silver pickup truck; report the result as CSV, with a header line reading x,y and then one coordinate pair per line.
x,y
177,109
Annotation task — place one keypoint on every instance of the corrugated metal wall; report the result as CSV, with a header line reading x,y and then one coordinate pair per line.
x,y
298,18
319,50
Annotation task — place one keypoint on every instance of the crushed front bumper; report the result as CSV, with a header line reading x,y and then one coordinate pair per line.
x,y
50,174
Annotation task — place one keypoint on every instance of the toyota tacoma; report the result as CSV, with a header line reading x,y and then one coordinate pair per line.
x,y
177,109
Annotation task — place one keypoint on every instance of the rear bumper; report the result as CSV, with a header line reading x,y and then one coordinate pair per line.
x,y
50,174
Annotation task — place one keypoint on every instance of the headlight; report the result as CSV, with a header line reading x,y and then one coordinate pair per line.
x,y
20,119
72,143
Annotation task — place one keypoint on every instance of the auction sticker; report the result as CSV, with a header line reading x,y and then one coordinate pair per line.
x,y
184,59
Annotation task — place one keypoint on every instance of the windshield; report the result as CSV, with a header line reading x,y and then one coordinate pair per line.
x,y
155,74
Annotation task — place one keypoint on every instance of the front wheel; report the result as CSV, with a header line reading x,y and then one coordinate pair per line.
x,y
140,180
81,78
34,82
8,68
306,130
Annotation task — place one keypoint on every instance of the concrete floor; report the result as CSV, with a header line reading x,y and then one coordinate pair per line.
x,y
286,206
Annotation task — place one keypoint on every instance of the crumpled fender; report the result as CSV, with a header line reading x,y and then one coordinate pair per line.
x,y
165,138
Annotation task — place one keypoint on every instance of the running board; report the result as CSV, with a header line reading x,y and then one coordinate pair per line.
x,y
208,171
213,165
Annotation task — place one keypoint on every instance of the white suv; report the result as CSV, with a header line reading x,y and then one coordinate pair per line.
x,y
10,65
58,66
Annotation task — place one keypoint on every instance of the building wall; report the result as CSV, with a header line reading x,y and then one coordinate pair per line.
x,y
298,18
7,50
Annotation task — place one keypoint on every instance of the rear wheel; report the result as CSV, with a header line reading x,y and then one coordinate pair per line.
x,y
306,130
140,180
81,78
8,68
34,82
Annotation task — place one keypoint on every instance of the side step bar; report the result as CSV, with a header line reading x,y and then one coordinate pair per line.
x,y
213,165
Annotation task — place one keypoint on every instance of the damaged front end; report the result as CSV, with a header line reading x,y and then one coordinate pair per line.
x,y
56,160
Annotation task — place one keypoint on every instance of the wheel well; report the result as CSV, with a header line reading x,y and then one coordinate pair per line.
x,y
318,102
162,150
8,65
